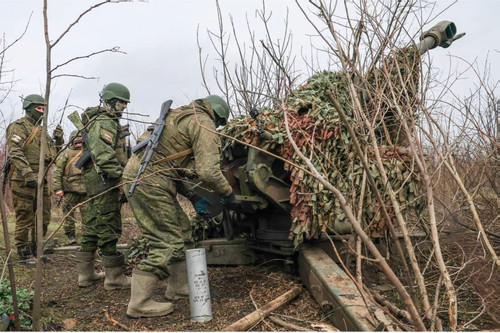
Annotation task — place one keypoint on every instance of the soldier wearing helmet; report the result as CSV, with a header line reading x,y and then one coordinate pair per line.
x,y
188,149
24,146
102,221
69,185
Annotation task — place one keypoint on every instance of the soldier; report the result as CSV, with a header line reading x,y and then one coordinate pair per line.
x,y
24,146
69,185
102,222
192,147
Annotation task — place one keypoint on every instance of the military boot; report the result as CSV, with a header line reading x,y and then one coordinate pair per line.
x,y
114,272
177,283
45,259
25,256
87,276
141,304
71,239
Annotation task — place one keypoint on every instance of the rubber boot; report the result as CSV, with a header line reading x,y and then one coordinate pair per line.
x,y
177,283
141,304
114,272
87,276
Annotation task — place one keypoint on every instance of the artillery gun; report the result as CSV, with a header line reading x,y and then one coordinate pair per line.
x,y
262,182
283,213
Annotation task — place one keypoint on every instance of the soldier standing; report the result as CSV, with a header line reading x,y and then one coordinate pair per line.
x,y
102,222
69,185
23,148
192,147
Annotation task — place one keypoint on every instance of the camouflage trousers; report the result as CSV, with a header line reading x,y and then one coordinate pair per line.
x,y
160,218
102,224
24,201
70,200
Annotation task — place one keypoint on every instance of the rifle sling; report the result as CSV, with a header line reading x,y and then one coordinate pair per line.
x,y
174,156
32,136
73,159
27,142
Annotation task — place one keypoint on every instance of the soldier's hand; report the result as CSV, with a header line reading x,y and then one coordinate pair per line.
x,y
229,201
58,132
30,180
60,193
201,206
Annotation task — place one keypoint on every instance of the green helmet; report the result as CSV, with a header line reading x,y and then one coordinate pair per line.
x,y
73,134
115,90
219,105
33,99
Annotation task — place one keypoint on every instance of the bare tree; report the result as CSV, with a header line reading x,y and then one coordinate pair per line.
x,y
51,72
383,102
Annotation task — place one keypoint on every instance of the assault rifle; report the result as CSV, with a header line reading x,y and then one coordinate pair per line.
x,y
152,143
87,155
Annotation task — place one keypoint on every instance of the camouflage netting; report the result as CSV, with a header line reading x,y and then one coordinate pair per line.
x,y
318,130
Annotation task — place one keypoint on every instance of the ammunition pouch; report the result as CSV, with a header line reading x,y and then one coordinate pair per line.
x,y
94,183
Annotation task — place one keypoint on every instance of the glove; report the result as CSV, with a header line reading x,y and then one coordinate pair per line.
x,y
58,132
201,206
30,180
229,201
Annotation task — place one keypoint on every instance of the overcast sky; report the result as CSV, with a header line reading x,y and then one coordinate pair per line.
x,y
159,38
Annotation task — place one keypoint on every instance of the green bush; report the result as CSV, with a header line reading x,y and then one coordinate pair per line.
x,y
24,301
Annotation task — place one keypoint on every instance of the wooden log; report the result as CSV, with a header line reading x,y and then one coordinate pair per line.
x,y
291,326
251,319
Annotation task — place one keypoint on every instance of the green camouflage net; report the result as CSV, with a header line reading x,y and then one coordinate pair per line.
x,y
318,131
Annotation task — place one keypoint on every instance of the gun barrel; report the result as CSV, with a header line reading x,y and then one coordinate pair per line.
x,y
426,44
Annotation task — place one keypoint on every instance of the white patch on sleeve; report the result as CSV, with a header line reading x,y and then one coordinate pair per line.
x,y
16,138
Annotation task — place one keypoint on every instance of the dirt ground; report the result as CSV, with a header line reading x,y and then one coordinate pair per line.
x,y
235,292
478,279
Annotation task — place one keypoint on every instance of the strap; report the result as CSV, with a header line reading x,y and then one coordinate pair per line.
x,y
174,156
73,159
32,136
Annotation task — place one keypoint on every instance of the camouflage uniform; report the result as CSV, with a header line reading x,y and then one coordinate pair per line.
x,y
154,203
102,222
69,179
24,163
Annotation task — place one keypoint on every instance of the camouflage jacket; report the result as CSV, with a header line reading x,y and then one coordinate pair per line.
x,y
25,157
192,127
107,142
67,177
